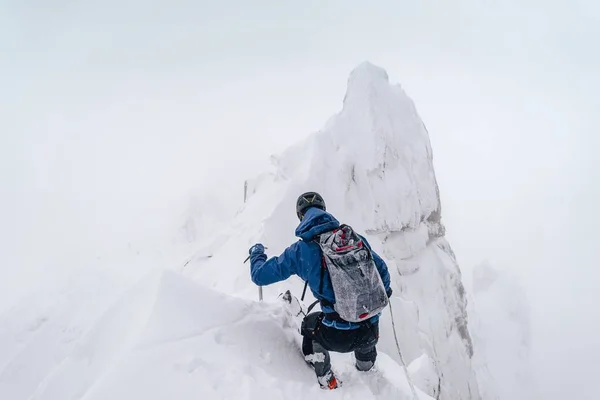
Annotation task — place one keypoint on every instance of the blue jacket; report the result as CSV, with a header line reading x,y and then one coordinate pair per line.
x,y
303,258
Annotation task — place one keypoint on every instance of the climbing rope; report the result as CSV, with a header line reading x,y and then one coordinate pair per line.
x,y
412,387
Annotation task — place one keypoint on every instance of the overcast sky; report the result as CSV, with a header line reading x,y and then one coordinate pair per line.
x,y
113,112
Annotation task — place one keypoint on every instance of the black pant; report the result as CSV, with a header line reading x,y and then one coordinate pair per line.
x,y
320,339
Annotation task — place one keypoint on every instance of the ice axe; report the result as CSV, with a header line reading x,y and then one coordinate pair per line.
x,y
260,292
247,258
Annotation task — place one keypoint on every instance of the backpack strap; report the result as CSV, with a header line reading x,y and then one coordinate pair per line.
x,y
320,279
311,307
322,274
323,264
304,290
316,239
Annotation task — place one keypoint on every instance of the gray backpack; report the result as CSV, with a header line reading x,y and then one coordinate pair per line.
x,y
357,286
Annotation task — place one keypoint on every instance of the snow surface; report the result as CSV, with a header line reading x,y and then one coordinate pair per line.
x,y
163,338
199,331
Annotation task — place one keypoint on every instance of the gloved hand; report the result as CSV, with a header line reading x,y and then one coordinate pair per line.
x,y
257,249
389,292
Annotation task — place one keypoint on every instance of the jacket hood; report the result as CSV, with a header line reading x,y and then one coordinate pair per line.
x,y
315,222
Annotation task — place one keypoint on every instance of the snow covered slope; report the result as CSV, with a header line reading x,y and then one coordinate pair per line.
x,y
164,338
201,333
373,164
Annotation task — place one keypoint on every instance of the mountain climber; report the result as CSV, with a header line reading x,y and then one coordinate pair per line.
x,y
325,331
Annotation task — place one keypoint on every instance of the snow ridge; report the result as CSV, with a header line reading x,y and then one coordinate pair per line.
x,y
201,333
